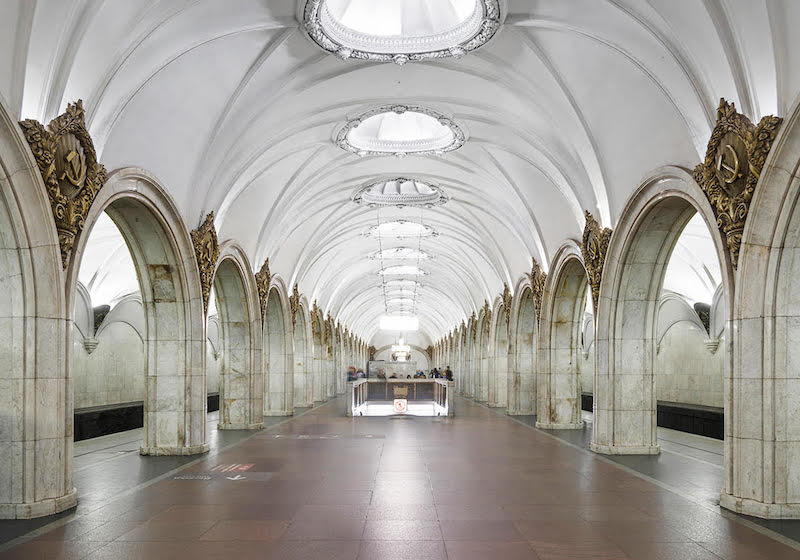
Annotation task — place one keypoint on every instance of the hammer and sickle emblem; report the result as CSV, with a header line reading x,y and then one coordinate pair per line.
x,y
75,170
728,164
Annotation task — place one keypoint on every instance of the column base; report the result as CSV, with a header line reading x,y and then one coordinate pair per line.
x,y
167,450
620,450
755,508
560,426
235,426
31,510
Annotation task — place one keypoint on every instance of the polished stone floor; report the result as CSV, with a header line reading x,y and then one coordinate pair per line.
x,y
320,485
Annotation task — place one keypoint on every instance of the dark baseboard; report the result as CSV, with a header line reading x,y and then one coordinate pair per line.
x,y
706,421
103,420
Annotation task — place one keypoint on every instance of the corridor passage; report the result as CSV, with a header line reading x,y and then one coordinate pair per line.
x,y
479,485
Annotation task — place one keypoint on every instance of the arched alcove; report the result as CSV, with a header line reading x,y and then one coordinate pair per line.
x,y
169,282
278,363
627,316
241,378
318,357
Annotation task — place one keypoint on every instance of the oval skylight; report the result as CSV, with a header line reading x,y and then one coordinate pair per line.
x,y
400,253
400,192
400,130
400,229
402,269
401,30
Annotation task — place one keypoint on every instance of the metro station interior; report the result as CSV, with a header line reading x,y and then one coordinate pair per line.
x,y
400,279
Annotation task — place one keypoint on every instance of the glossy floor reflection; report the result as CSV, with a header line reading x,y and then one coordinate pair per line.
x,y
480,485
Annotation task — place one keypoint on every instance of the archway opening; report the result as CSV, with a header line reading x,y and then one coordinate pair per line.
x,y
108,336
560,401
665,290
278,373
235,379
303,384
498,377
522,389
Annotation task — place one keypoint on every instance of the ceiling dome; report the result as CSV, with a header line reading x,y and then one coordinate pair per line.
x,y
400,130
401,30
400,192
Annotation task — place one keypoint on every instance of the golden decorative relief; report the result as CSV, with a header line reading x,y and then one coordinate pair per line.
x,y
728,176
594,249
263,278
538,278
473,326
206,249
506,299
487,316
294,304
315,317
429,352
67,161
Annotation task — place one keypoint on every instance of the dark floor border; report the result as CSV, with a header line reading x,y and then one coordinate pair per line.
x,y
104,420
705,421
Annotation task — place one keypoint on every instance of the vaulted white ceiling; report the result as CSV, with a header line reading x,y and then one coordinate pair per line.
x,y
235,109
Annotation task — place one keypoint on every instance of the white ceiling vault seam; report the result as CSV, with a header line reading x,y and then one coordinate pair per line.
x,y
566,108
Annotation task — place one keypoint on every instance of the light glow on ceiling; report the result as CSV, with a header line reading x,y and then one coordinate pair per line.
x,y
404,323
400,253
401,31
404,270
400,229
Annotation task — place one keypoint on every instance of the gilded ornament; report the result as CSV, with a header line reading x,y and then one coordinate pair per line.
x,y
315,317
487,316
506,300
206,250
538,278
68,164
729,174
594,248
294,304
263,278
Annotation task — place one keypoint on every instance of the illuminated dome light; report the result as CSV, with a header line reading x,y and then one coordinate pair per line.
x,y
400,229
402,269
404,284
401,31
400,302
398,323
400,253
400,192
400,130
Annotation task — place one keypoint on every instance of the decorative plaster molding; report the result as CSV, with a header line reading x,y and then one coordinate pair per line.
x,y
712,344
206,249
404,148
728,176
428,200
263,278
67,161
90,344
594,249
347,43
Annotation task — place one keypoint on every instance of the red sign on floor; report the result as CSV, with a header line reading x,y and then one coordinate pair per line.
x,y
233,467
